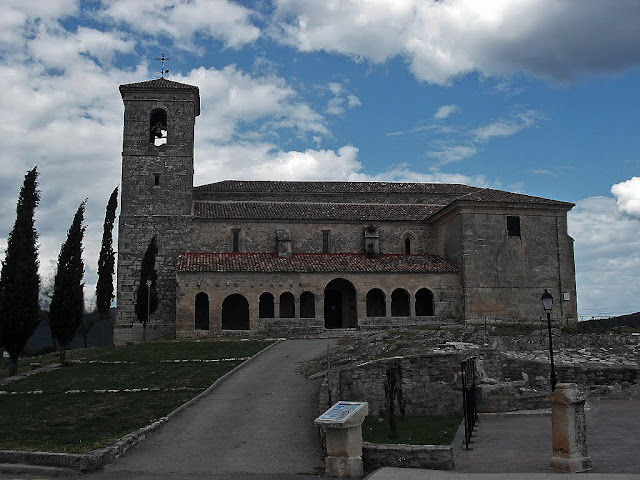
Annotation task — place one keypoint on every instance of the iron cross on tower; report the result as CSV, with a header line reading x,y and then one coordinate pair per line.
x,y
162,59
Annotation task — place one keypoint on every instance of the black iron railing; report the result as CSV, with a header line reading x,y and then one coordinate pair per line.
x,y
469,405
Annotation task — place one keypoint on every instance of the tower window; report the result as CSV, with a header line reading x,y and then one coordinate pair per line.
x,y
158,127
407,246
513,226
156,179
325,241
235,240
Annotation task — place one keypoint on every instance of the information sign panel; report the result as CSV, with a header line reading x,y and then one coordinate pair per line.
x,y
340,412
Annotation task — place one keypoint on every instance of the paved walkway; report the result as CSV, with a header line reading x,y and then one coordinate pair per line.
x,y
258,424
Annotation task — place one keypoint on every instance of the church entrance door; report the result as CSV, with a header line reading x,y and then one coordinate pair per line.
x,y
332,309
340,304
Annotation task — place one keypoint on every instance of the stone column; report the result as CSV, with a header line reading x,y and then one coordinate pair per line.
x,y
569,429
344,438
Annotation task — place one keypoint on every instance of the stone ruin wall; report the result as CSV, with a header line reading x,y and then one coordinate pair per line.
x,y
432,384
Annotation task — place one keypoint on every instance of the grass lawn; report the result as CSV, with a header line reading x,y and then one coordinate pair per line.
x,y
413,430
78,422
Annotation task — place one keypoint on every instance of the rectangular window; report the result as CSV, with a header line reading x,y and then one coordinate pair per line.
x,y
236,240
325,241
513,226
156,179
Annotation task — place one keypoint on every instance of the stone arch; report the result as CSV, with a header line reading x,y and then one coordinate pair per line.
x,y
400,306
376,306
201,311
235,313
340,307
424,302
158,132
307,305
287,305
409,245
265,306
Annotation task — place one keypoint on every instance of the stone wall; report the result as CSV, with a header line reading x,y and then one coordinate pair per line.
x,y
431,384
502,275
306,237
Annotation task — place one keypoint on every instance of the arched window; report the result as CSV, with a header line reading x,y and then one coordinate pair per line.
x,y
202,311
375,303
400,303
235,313
307,305
265,305
287,305
408,243
424,302
158,127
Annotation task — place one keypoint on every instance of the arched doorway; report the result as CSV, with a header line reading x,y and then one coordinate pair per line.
x,y
424,302
235,313
202,311
340,310
375,303
287,305
265,306
400,303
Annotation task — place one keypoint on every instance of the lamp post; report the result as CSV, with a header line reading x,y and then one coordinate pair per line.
x,y
547,303
149,307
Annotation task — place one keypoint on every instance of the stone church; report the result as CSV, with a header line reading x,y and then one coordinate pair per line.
x,y
286,257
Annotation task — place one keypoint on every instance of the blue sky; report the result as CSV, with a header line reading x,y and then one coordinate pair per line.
x,y
539,96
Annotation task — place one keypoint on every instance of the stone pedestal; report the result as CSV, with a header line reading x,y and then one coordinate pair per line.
x,y
343,424
569,429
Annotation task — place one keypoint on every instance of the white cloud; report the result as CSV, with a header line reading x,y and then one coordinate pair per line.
x,y
181,20
445,111
607,254
340,98
442,39
628,196
508,127
453,153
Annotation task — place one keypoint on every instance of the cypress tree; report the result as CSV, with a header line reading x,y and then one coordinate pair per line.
x,y
106,263
147,272
67,303
19,280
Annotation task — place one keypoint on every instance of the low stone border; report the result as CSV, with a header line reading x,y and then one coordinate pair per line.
x,y
96,459
434,457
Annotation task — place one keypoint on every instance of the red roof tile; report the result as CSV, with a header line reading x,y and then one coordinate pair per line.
x,y
311,211
312,263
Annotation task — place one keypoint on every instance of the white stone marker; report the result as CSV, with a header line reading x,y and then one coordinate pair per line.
x,y
343,424
569,429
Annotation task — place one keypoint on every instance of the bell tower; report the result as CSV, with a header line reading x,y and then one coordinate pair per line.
x,y
156,192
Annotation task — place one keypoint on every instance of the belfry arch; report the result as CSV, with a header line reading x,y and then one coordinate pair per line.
x,y
340,308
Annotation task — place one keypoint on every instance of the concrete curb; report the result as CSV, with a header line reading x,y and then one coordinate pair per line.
x,y
65,464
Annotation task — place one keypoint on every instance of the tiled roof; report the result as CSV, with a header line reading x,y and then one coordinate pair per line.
x,y
161,83
333,187
491,195
312,211
312,263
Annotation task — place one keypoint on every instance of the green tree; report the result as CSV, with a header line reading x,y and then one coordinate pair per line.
x,y
147,304
19,280
106,263
67,303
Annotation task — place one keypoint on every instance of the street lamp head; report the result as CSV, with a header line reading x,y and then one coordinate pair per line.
x,y
547,301
149,282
